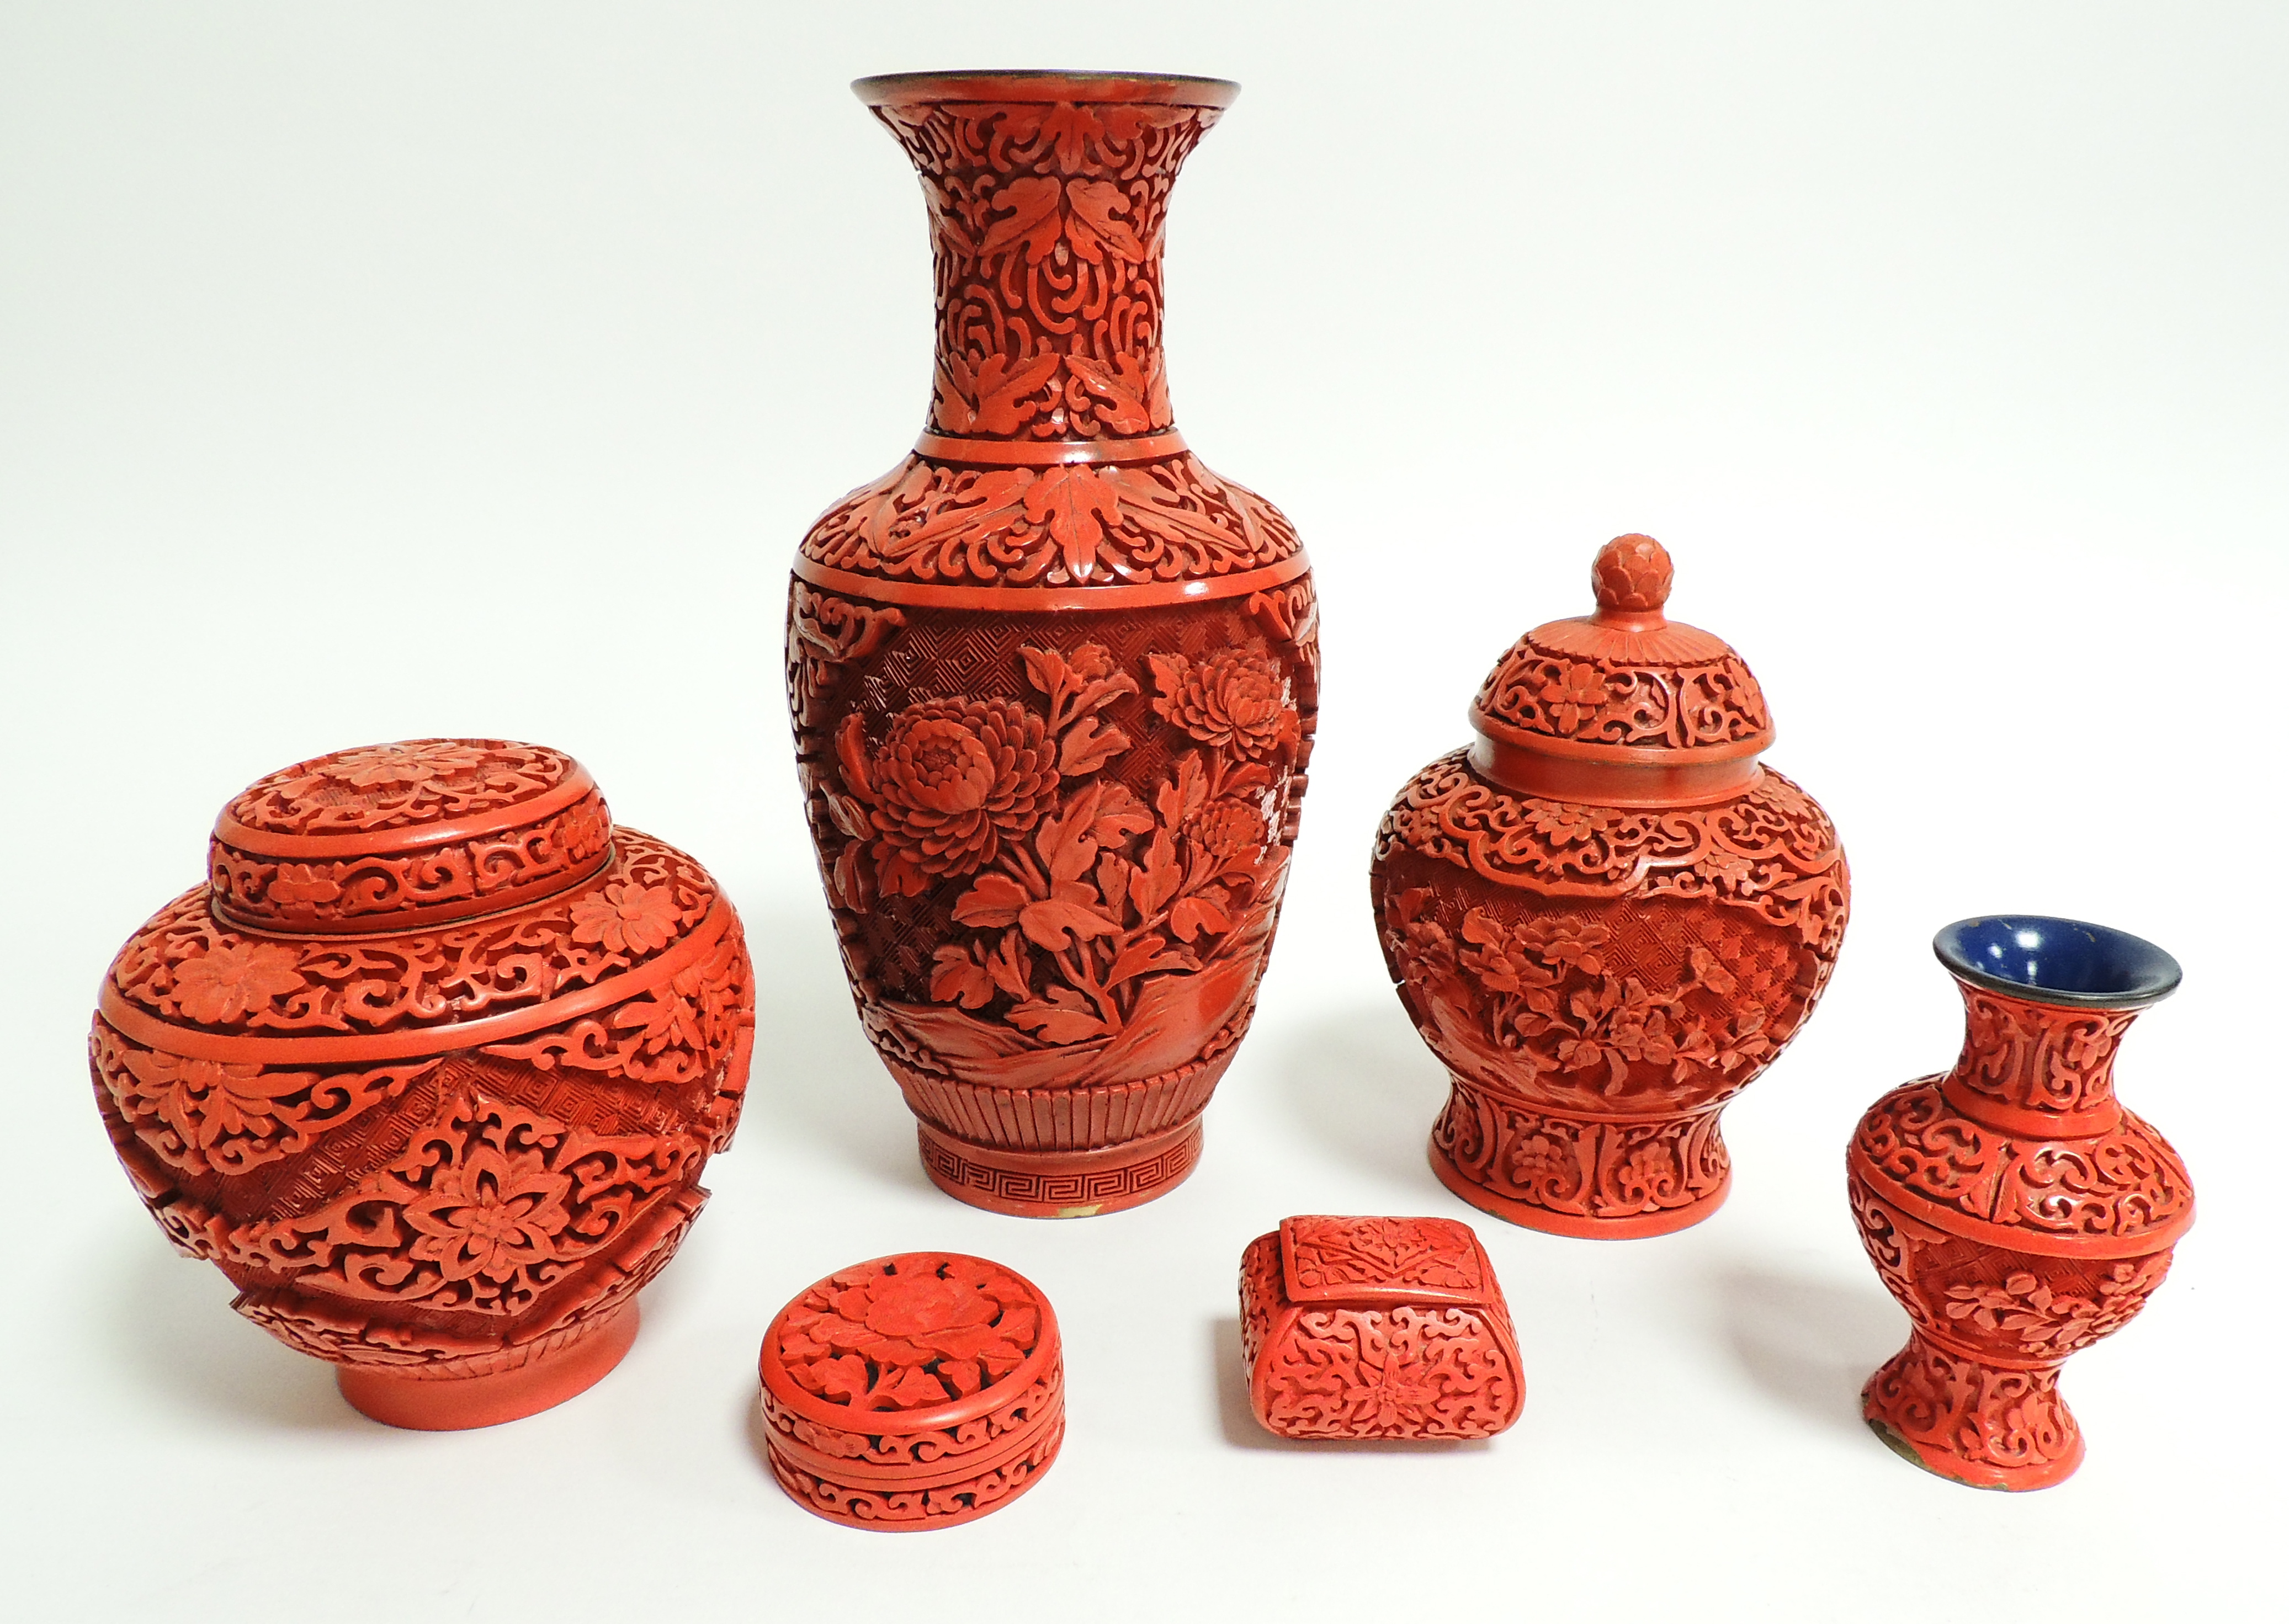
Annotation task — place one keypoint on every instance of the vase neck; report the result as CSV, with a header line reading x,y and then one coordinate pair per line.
x,y
1046,221
2036,1070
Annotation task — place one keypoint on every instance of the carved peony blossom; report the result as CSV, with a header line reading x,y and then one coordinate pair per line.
x,y
626,918
952,779
229,981
1232,699
918,1333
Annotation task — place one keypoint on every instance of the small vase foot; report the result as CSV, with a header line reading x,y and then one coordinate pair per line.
x,y
1985,1426
1061,1183
1526,1214
461,1402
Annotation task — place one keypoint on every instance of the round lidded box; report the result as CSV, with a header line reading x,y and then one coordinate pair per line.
x,y
430,1068
916,1391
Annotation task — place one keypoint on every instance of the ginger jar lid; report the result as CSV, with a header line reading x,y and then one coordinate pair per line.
x,y
1624,706
408,900
405,836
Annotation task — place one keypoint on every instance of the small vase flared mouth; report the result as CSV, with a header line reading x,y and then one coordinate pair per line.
x,y
2048,960
1044,84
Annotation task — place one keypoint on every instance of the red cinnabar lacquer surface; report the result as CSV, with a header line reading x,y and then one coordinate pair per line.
x,y
2019,1213
1053,681
1361,1328
912,1392
1605,916
429,1069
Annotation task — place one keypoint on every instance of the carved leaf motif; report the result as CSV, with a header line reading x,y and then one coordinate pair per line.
x,y
994,901
1126,390
1076,505
1029,214
958,978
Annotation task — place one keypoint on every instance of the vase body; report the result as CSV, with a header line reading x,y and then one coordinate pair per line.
x,y
1605,916
1053,682
429,1069
2016,1211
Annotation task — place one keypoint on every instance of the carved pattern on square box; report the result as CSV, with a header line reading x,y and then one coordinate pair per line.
x,y
1364,1328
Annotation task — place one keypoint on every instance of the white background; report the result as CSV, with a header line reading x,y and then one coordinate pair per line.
x,y
387,371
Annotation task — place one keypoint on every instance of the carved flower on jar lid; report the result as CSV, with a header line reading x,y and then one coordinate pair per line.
x,y
1232,700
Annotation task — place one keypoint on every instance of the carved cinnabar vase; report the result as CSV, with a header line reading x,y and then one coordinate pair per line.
x,y
1605,916
1053,681
2014,1208
429,1068
1358,1329
912,1392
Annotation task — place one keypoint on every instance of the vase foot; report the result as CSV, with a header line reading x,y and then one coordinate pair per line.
x,y
1985,1426
1627,1226
460,1402
1061,1183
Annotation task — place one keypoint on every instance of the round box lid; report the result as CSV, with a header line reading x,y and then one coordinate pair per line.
x,y
917,1342
1623,707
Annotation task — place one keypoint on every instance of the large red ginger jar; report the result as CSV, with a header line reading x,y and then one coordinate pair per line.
x,y
1605,916
429,1068
2014,1208
912,1392
1053,681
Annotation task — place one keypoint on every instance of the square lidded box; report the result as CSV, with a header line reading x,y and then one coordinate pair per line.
x,y
1376,1328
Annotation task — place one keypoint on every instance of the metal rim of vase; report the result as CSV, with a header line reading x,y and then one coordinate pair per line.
x,y
1044,84
2069,962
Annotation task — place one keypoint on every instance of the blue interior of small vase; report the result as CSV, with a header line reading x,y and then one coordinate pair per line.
x,y
2051,961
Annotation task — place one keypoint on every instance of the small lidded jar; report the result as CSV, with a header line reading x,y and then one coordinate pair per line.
x,y
1606,915
429,1068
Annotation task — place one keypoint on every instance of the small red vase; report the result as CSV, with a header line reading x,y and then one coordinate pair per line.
x,y
912,1392
2014,1208
1605,916
1053,681
429,1069
1361,1328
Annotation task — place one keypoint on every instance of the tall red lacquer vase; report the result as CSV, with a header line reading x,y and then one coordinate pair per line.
x,y
1053,681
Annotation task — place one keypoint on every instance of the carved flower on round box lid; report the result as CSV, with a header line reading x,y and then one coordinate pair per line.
x,y
913,1332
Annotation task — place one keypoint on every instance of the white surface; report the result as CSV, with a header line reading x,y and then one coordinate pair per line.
x,y
373,371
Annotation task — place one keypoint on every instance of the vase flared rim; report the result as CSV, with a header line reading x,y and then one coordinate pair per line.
x,y
2043,959
1044,84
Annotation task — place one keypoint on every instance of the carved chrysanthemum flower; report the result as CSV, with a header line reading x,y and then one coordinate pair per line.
x,y
1232,700
953,778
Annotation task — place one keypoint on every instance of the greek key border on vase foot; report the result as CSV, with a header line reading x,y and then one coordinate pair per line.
x,y
1072,1185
